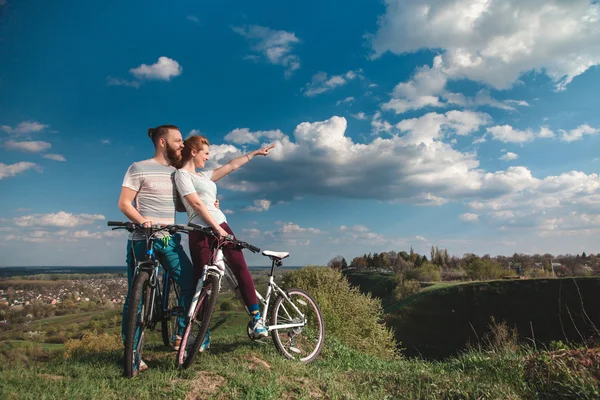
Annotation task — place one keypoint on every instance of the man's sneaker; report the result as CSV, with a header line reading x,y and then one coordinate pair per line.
x,y
177,343
258,328
205,343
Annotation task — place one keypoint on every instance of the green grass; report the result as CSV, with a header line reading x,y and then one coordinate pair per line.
x,y
236,368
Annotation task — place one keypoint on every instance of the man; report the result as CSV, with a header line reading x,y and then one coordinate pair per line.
x,y
149,184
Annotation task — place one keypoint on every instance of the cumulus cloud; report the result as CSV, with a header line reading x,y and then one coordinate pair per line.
x,y
275,46
24,127
347,100
508,134
55,157
509,156
60,219
496,42
245,136
259,206
7,171
379,125
164,69
27,146
427,88
468,217
577,133
322,83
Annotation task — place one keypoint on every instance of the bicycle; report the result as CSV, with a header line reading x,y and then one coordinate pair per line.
x,y
153,297
296,323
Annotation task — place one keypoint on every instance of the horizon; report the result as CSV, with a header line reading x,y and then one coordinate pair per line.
x,y
461,125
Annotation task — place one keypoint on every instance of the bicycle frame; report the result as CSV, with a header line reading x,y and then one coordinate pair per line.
x,y
220,269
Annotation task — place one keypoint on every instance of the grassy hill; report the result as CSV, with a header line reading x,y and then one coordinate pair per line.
x,y
442,318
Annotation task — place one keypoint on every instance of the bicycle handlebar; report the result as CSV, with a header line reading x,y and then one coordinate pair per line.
x,y
131,226
229,238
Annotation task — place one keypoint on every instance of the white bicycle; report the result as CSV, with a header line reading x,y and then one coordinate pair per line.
x,y
295,323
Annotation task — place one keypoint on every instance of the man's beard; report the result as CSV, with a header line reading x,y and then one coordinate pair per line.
x,y
173,156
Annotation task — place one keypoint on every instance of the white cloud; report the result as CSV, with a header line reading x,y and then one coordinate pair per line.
x,y
112,81
379,125
509,156
193,132
468,217
275,46
508,134
164,69
25,127
434,126
193,18
60,219
496,42
87,235
577,133
227,212
427,88
420,238
322,83
251,232
55,157
360,116
7,171
347,100
105,141
28,146
259,206
245,136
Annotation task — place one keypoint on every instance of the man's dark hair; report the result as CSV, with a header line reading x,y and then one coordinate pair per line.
x,y
160,131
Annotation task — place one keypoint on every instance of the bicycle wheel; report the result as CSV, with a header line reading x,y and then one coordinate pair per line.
x,y
172,311
199,322
139,307
299,343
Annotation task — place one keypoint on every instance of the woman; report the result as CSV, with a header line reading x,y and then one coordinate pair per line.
x,y
199,192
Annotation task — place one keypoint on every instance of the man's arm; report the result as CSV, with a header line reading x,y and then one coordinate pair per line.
x,y
125,200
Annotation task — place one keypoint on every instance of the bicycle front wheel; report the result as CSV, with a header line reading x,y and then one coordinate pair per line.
x,y
301,343
137,318
198,323
171,313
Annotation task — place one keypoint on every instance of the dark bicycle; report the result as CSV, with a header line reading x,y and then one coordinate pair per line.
x,y
153,297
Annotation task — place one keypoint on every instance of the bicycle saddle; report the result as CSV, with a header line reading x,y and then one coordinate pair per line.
x,y
275,254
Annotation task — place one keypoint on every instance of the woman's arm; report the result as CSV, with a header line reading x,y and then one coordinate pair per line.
x,y
236,163
203,212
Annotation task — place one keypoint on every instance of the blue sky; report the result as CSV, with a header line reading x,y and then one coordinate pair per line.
x,y
470,125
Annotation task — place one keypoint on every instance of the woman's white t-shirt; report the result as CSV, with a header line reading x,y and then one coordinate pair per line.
x,y
201,184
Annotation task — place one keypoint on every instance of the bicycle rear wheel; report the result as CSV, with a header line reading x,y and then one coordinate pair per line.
x,y
199,323
298,343
171,313
137,318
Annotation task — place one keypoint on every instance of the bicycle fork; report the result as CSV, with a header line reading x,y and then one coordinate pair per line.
x,y
218,270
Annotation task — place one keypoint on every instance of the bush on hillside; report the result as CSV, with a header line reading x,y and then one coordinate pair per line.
x,y
354,318
564,374
405,288
92,343
425,273
480,269
453,274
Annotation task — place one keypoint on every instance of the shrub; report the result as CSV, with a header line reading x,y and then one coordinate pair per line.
x,y
483,269
452,274
226,306
405,288
425,273
354,318
564,374
92,343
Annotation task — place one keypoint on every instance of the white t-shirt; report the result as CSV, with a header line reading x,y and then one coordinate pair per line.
x,y
201,184
155,197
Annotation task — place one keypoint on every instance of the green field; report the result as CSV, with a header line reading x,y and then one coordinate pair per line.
x,y
497,367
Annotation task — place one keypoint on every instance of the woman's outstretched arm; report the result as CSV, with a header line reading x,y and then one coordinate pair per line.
x,y
236,163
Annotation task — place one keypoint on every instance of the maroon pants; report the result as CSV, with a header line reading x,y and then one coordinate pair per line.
x,y
201,249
